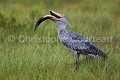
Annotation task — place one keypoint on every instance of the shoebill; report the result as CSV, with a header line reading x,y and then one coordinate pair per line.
x,y
75,42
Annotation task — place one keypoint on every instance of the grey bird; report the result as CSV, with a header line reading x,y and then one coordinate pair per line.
x,y
75,42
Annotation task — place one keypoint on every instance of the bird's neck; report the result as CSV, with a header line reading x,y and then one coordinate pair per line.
x,y
60,26
60,30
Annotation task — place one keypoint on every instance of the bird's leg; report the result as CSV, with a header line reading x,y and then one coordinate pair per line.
x,y
77,61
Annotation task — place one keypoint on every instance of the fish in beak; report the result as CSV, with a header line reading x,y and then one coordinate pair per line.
x,y
54,17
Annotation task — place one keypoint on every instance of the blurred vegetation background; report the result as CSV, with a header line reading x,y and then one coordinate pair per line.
x,y
52,61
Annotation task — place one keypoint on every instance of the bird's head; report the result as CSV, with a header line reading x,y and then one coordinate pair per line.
x,y
59,19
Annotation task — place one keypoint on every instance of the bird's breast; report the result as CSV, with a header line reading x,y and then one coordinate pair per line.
x,y
64,37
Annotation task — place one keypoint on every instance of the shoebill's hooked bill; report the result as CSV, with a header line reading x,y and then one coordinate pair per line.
x,y
54,17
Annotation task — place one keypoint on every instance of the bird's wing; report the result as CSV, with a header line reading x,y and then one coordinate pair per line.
x,y
83,45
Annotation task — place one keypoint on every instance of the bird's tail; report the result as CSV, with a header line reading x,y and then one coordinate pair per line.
x,y
102,54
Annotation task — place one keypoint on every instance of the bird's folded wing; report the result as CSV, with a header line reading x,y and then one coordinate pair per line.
x,y
80,46
80,43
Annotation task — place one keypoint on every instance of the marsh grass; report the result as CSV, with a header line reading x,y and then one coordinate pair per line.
x,y
52,61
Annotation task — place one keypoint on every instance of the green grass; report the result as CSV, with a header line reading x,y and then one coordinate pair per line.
x,y
41,60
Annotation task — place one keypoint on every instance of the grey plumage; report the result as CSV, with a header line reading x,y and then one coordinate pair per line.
x,y
75,42
80,44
